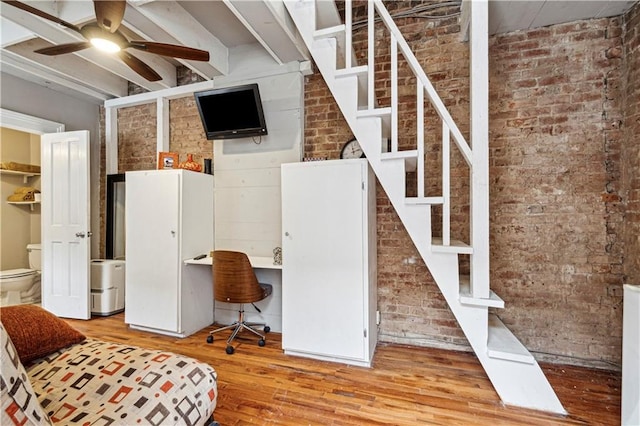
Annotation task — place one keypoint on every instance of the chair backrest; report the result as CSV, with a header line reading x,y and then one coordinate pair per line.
x,y
234,279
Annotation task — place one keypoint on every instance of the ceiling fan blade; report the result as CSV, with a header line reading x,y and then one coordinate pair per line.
x,y
109,13
171,50
64,48
138,66
41,14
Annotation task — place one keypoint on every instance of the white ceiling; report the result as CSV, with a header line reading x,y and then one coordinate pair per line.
x,y
506,16
231,30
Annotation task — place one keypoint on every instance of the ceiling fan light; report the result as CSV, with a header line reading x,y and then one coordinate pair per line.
x,y
105,45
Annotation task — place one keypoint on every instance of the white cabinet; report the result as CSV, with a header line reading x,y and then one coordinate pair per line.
x,y
329,296
631,356
168,218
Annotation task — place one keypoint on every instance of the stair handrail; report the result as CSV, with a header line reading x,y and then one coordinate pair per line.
x,y
398,39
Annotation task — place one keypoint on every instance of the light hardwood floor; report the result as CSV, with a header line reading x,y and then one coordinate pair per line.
x,y
406,386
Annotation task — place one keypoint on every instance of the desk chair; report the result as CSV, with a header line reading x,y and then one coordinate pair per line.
x,y
235,282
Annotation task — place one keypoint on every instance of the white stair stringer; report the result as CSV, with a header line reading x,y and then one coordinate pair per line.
x,y
513,371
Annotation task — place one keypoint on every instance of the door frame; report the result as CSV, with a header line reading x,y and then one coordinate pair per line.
x,y
28,123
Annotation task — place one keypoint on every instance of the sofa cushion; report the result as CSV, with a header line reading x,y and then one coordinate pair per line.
x,y
105,383
36,332
20,405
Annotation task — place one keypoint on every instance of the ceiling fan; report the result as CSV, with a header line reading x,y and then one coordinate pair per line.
x,y
104,35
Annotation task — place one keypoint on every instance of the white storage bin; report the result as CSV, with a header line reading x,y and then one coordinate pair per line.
x,y
107,286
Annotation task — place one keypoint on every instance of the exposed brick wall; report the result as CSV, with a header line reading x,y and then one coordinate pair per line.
x,y
631,146
325,130
556,216
137,138
556,109
186,134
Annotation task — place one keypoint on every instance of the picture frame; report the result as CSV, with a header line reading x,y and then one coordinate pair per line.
x,y
168,160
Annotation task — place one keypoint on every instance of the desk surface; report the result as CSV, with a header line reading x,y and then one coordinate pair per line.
x,y
258,262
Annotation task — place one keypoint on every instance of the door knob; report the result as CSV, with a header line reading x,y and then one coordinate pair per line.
x,y
80,234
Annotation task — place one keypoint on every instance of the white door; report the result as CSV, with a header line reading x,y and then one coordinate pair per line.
x,y
322,275
65,224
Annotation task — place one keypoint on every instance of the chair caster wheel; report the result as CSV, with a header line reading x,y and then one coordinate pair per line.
x,y
261,342
230,350
209,339
266,329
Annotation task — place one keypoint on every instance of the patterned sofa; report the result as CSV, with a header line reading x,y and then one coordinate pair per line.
x,y
87,381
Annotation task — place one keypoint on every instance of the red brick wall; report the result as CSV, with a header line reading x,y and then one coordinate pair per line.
x,y
186,132
137,135
556,215
631,146
556,109
137,138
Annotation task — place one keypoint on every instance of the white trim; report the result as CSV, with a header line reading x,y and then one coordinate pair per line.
x,y
479,135
163,129
110,135
28,123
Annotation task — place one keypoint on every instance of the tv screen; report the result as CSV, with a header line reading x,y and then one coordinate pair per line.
x,y
231,112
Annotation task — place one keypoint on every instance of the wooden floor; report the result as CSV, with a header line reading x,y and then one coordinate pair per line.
x,y
406,386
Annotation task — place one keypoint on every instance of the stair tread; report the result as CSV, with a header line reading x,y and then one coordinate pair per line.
x,y
454,246
329,31
467,298
503,344
361,69
410,158
376,112
410,153
424,200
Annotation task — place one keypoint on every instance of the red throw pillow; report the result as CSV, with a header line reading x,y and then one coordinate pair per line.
x,y
36,332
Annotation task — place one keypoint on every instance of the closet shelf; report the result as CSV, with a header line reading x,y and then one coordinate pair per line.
x,y
24,203
25,175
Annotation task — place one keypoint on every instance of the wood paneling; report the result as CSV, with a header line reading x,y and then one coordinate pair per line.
x,y
407,385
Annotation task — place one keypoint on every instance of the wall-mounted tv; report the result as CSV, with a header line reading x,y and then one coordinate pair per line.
x,y
231,112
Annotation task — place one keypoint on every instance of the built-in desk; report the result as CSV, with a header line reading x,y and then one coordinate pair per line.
x,y
266,272
258,262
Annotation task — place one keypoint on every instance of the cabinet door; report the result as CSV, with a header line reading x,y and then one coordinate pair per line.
x,y
322,284
152,222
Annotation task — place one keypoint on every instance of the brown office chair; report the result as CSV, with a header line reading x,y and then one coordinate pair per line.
x,y
235,282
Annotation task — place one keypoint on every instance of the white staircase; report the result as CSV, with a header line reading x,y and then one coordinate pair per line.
x,y
514,372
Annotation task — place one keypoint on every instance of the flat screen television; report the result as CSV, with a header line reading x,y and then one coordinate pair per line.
x,y
231,112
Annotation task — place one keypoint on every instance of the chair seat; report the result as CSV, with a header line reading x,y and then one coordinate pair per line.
x,y
267,289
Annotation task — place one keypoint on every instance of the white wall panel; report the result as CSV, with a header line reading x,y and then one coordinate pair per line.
x,y
247,173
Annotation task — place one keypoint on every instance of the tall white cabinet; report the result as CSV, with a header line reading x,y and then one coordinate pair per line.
x,y
168,218
329,296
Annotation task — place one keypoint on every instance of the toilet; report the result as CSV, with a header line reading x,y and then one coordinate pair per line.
x,y
22,286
